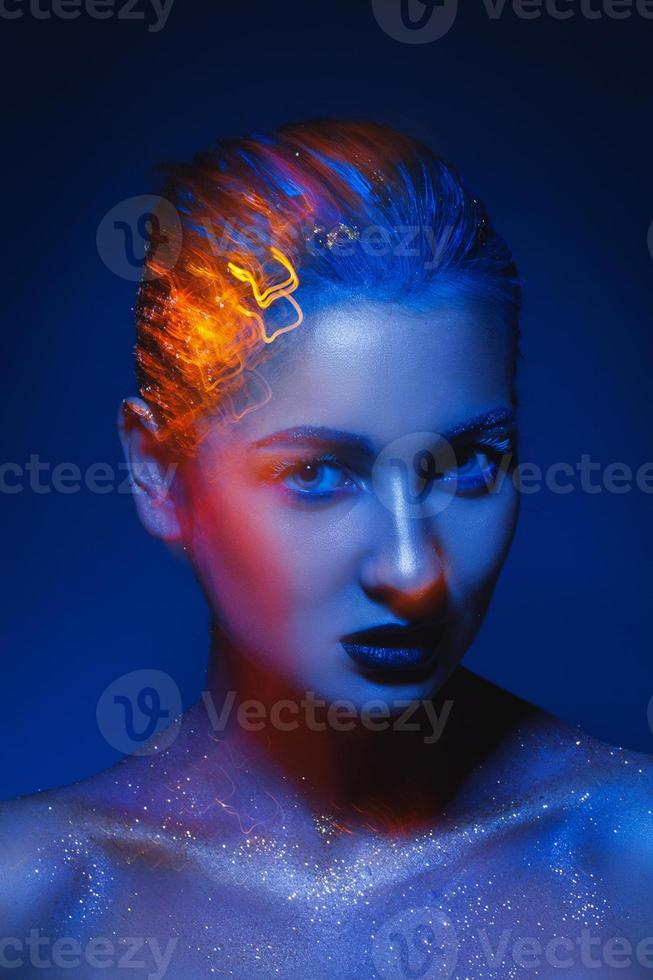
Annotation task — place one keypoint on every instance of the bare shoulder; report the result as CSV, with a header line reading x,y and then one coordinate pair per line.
x,y
79,841
39,863
603,795
617,842
543,761
603,770
529,752
572,766
537,746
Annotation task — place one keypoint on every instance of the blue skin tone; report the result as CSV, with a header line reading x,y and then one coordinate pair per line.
x,y
357,552
511,820
324,477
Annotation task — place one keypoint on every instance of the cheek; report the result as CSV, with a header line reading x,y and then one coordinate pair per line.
x,y
263,563
239,555
475,536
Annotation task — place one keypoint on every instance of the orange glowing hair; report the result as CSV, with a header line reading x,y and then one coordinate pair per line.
x,y
269,220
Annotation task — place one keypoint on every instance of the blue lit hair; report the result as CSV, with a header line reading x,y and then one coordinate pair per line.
x,y
356,208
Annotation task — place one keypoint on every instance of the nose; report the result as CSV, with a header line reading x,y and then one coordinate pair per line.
x,y
404,571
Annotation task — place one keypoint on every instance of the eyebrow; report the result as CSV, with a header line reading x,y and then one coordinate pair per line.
x,y
355,443
503,416
317,435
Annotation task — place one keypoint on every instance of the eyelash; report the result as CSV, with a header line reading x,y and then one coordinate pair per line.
x,y
496,448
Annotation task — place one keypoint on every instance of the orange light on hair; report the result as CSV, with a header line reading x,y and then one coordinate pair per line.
x,y
270,295
200,348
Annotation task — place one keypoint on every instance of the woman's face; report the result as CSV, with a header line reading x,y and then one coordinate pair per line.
x,y
337,506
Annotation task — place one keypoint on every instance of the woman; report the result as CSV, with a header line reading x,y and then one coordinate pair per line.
x,y
326,426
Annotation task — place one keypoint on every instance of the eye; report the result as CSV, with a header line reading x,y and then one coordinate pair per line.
x,y
478,466
319,477
314,476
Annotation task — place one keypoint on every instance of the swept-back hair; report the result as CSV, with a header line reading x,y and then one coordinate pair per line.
x,y
322,210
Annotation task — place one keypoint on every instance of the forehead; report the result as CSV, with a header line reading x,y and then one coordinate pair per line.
x,y
383,370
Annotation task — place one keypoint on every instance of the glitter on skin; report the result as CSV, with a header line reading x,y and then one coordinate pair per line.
x,y
199,844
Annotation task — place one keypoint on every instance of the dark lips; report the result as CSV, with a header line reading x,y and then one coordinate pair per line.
x,y
394,647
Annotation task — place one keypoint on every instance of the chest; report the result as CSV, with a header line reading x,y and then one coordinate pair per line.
x,y
483,902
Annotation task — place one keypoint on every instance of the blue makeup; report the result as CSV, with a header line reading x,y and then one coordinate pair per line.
x,y
388,658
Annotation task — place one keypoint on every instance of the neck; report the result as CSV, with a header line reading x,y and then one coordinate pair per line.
x,y
398,776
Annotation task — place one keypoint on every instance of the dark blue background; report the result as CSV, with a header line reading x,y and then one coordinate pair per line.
x,y
549,120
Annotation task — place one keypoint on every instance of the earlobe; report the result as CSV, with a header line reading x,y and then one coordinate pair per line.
x,y
152,471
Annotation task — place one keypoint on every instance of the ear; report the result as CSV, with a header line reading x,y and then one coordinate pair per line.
x,y
155,483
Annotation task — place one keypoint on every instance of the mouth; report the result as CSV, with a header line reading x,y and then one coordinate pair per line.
x,y
394,647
